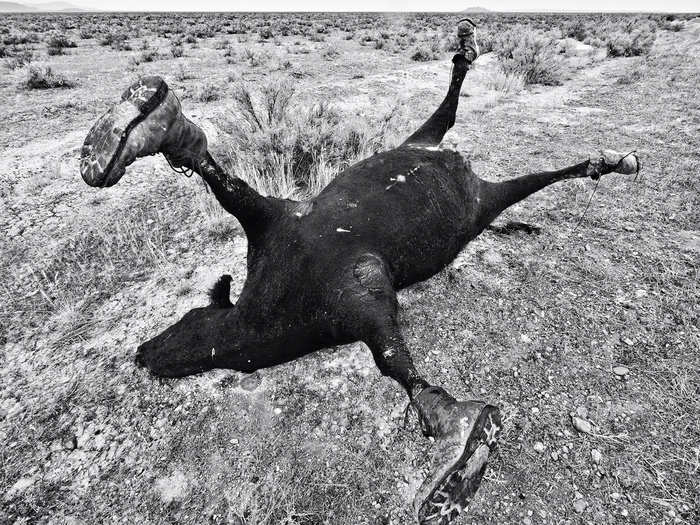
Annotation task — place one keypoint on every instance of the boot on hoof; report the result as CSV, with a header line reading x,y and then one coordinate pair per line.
x,y
609,161
465,432
466,33
148,120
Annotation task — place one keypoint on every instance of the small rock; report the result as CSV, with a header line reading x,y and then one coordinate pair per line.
x,y
580,505
539,447
615,496
596,456
624,512
555,456
582,425
172,488
20,486
630,229
493,258
277,411
621,371
582,412
251,381
527,521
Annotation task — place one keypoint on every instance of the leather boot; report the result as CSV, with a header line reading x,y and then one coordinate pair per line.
x,y
148,120
465,432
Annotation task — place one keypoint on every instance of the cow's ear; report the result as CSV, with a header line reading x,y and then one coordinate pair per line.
x,y
220,292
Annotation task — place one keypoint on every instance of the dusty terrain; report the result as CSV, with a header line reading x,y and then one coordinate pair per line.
x,y
597,320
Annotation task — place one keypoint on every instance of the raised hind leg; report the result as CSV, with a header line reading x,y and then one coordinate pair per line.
x,y
149,120
434,129
465,431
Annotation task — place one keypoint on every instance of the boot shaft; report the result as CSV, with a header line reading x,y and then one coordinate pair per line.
x,y
436,409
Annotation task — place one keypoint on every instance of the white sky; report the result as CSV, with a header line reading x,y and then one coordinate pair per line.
x,y
391,5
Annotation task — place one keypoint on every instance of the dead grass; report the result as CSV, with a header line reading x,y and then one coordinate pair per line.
x,y
288,150
46,78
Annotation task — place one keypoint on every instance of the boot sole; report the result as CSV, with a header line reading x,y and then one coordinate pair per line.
x,y
472,47
105,142
458,485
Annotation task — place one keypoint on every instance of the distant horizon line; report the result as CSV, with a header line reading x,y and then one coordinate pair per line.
x,y
79,9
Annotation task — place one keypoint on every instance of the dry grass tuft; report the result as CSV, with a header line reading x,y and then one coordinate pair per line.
x,y
529,53
289,150
38,78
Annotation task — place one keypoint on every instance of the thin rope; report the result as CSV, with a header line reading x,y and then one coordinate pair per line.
x,y
619,163
187,172
586,209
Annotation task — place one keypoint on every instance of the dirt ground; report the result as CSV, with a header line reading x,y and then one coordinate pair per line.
x,y
597,321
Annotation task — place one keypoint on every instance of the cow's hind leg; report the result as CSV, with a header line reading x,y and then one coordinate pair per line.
x,y
149,120
434,129
465,431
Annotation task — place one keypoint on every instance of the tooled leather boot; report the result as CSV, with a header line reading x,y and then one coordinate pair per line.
x,y
466,33
148,120
465,432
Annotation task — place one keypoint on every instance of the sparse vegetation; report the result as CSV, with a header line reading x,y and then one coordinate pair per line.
x,y
289,151
632,41
46,78
425,52
524,51
208,92
57,45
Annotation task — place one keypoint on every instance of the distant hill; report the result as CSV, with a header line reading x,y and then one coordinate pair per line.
x,y
476,10
14,7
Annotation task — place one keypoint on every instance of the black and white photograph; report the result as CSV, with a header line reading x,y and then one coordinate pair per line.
x,y
356,263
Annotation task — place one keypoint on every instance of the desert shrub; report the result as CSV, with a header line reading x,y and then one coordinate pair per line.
x,y
265,33
576,29
46,79
208,92
17,57
147,55
530,53
181,73
635,73
60,42
222,43
634,40
330,52
23,39
422,54
505,81
86,33
425,53
288,150
176,49
316,37
670,23
254,59
116,41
